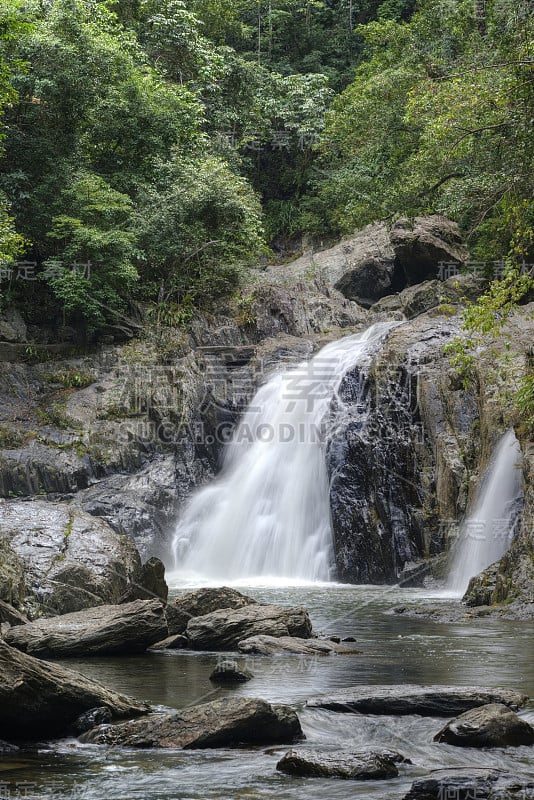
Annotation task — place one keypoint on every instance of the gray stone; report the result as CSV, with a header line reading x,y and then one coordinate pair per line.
x,y
471,782
103,630
150,584
229,722
270,645
39,699
363,765
421,243
224,629
230,671
71,560
428,701
203,601
176,642
11,615
492,725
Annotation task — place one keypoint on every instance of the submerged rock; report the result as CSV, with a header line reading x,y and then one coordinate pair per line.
x,y
363,765
493,725
104,630
39,699
428,701
222,723
472,782
269,645
224,629
229,671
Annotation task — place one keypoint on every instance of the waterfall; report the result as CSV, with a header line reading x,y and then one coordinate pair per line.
x,y
487,532
267,515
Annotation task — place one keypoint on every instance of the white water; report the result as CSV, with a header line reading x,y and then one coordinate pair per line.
x,y
266,518
487,532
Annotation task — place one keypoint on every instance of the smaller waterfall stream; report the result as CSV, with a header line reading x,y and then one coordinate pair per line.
x,y
487,532
268,513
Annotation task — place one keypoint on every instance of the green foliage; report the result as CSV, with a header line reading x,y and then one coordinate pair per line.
x,y
198,230
71,378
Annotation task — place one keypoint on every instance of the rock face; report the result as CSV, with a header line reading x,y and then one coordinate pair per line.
x,y
428,701
222,723
224,629
39,699
103,630
270,645
365,765
493,725
69,559
421,243
483,783
380,259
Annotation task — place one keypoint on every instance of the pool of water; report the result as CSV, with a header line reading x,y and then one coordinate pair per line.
x,y
392,650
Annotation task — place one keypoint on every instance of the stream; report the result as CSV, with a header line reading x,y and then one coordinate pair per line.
x,y
394,650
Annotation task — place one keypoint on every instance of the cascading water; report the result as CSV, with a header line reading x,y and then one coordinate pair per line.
x,y
268,515
487,532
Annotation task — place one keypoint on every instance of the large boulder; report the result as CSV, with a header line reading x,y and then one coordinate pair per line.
x,y
428,701
493,725
271,645
363,765
472,782
201,602
224,629
222,723
71,560
39,699
421,243
103,630
151,583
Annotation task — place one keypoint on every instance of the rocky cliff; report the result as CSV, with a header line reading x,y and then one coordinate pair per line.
x,y
100,449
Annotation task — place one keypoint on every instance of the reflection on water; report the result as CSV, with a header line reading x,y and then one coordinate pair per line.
x,y
394,650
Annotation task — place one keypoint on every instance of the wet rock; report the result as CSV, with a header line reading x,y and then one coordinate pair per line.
x,y
142,505
270,645
492,725
90,719
70,559
222,723
177,642
224,629
150,584
428,701
364,765
103,630
11,615
39,699
471,782
229,671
